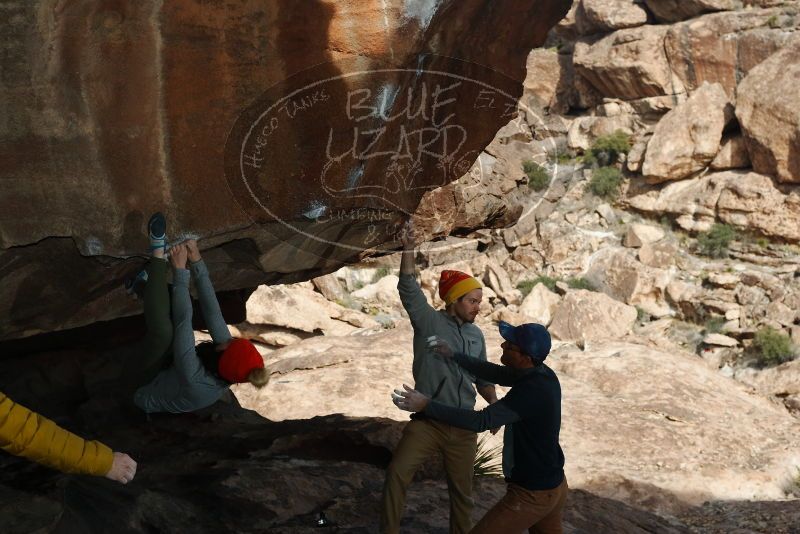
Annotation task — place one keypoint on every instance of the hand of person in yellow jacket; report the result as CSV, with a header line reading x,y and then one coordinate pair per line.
x,y
123,468
30,435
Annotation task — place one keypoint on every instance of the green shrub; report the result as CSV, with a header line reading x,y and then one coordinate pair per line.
x,y
488,460
607,149
525,286
796,483
771,347
773,23
538,176
380,273
580,283
605,182
714,325
641,315
561,157
715,242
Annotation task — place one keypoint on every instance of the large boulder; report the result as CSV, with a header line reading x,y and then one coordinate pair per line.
x,y
768,109
539,305
745,199
677,10
636,396
627,64
637,235
603,16
732,154
548,85
267,128
687,138
585,130
723,47
688,418
588,316
382,293
617,273
300,308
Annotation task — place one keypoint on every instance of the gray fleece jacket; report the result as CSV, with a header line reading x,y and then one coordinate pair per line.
x,y
186,386
442,380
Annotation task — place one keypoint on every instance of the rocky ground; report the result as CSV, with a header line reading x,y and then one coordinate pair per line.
x,y
673,418
230,470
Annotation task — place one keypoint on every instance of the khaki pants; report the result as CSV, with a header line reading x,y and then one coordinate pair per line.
x,y
421,440
520,509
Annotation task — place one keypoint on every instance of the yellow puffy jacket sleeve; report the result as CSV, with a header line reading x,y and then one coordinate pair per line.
x,y
32,436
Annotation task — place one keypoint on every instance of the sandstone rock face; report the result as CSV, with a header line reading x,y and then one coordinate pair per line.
x,y
687,138
300,308
660,255
589,316
383,292
744,199
676,10
768,110
618,372
720,340
583,131
548,83
602,16
646,404
330,287
539,305
723,47
618,274
638,235
488,192
732,154
113,111
627,64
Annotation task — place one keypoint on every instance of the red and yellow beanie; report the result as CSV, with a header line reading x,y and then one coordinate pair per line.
x,y
455,284
238,360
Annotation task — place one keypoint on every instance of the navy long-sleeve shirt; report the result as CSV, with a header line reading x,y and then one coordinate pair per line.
x,y
531,414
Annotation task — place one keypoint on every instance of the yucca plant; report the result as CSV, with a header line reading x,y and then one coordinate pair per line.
x,y
488,459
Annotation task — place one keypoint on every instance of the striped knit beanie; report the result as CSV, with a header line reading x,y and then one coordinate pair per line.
x,y
455,284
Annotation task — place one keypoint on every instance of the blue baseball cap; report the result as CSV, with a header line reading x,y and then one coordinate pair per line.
x,y
532,339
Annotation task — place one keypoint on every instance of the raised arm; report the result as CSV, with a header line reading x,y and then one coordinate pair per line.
x,y
411,294
185,358
209,306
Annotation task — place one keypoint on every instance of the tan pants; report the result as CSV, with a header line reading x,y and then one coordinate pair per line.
x,y
520,509
421,440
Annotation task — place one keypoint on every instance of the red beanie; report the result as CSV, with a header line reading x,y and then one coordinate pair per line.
x,y
238,360
455,284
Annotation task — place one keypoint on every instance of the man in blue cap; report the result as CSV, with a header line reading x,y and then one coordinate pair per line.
x,y
533,463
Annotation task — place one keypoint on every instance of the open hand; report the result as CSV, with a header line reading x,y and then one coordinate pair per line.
x,y
178,255
409,399
123,468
